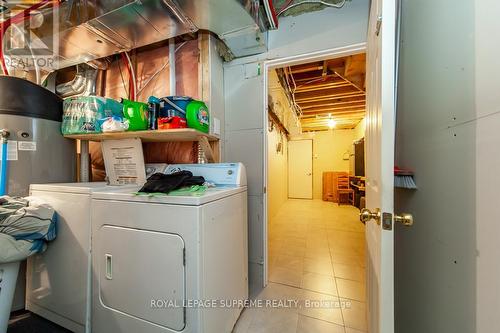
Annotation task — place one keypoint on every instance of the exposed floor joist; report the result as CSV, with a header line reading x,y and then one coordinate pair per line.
x,y
330,89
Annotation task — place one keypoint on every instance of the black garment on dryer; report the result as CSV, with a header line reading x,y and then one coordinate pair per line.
x,y
161,183
195,180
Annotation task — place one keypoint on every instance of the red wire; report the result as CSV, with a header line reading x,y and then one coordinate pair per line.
x,y
273,13
130,78
21,17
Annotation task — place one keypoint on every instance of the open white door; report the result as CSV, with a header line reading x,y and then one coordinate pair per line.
x,y
380,136
300,169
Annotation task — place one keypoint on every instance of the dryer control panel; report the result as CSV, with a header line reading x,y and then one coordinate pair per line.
x,y
229,174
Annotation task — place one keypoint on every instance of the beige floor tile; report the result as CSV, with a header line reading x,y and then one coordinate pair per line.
x,y
286,276
319,266
292,251
355,315
323,307
320,283
244,321
271,263
317,243
351,289
295,242
346,235
352,330
348,255
280,292
320,254
316,251
349,272
347,259
312,325
276,244
316,228
290,262
270,320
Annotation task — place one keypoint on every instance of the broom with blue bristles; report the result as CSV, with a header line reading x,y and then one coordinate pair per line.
x,y
403,178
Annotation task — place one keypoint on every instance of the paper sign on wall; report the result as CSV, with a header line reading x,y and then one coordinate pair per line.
x,y
124,161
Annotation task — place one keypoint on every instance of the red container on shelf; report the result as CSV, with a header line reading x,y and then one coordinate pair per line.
x,y
171,122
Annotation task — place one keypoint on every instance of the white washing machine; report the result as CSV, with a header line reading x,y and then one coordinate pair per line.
x,y
58,280
171,263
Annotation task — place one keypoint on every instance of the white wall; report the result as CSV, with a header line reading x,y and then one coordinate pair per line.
x,y
277,166
487,66
216,99
359,130
329,150
244,91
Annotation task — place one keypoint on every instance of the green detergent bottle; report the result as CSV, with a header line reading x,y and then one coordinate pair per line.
x,y
136,113
197,116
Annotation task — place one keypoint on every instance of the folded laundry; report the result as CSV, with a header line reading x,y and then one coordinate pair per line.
x,y
162,183
26,225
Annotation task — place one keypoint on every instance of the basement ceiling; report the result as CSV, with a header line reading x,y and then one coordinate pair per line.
x,y
331,89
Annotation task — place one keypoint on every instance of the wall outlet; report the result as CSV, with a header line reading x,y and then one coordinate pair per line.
x,y
216,126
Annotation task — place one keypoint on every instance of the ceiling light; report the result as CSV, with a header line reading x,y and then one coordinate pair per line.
x,y
331,123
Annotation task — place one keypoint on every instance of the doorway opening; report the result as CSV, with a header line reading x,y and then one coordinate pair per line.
x,y
315,188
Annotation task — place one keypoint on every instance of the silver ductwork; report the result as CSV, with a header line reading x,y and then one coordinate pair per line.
x,y
81,31
237,23
84,83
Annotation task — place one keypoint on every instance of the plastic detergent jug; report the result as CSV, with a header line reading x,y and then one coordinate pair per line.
x,y
197,116
137,115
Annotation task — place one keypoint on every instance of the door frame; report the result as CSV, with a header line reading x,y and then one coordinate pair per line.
x,y
276,63
288,168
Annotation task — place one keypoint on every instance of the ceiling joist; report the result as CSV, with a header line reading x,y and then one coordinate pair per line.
x,y
328,97
329,89
313,106
338,117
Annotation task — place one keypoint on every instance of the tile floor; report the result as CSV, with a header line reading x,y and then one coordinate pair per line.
x,y
317,257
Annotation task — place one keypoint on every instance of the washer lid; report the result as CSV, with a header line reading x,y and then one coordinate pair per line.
x,y
128,194
78,188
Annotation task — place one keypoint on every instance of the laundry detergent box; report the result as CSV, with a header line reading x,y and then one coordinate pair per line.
x,y
84,114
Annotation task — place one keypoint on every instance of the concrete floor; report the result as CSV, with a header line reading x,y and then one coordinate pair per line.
x,y
317,258
27,322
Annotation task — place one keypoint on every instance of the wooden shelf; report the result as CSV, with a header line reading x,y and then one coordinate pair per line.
x,y
209,143
171,135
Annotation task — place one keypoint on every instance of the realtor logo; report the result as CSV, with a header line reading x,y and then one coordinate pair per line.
x,y
28,35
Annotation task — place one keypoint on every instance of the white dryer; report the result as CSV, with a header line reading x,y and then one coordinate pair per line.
x,y
171,263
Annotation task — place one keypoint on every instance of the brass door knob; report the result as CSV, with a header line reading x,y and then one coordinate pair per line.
x,y
366,215
405,219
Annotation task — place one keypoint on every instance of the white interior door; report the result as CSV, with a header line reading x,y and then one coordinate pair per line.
x,y
300,169
381,72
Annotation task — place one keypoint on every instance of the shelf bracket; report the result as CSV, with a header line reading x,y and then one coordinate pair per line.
x,y
210,150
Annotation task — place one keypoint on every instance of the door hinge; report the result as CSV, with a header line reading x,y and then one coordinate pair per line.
x,y
387,221
379,25
184,256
